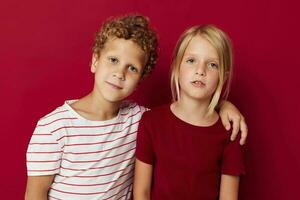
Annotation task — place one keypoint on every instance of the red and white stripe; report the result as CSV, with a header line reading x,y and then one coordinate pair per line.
x,y
90,159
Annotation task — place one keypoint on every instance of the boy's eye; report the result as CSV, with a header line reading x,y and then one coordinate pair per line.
x,y
132,68
213,65
113,60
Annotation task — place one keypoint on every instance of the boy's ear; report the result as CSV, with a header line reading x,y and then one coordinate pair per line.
x,y
94,63
140,81
143,76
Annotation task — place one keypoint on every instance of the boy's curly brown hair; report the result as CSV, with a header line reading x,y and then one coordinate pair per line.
x,y
130,27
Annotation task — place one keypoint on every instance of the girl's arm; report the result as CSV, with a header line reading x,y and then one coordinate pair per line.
x,y
229,187
229,113
142,181
38,187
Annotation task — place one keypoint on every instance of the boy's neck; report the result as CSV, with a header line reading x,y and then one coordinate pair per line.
x,y
194,111
93,107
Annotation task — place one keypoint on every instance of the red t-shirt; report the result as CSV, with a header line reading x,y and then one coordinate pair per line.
x,y
187,160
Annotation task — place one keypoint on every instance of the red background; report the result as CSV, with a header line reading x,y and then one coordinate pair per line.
x,y
46,49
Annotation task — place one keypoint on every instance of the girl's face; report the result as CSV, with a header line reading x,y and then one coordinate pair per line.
x,y
199,73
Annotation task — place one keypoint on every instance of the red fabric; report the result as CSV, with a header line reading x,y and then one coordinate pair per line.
x,y
46,50
187,160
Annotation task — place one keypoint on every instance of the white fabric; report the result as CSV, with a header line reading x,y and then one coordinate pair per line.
x,y
90,159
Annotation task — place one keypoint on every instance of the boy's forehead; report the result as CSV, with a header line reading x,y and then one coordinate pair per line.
x,y
122,44
125,48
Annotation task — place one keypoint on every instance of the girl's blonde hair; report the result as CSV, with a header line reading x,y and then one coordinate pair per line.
x,y
221,42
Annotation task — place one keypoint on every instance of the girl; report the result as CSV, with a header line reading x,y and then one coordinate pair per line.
x,y
183,151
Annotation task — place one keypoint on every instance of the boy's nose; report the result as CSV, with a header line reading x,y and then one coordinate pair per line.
x,y
119,74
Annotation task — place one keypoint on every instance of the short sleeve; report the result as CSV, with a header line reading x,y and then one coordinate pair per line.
x,y
143,109
144,149
233,159
44,152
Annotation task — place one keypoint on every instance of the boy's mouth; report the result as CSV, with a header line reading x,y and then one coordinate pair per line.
x,y
115,86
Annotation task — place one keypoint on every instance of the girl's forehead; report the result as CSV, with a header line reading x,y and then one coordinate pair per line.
x,y
200,46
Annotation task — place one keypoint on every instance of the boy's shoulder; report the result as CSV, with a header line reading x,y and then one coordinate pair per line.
x,y
65,115
61,113
130,106
61,110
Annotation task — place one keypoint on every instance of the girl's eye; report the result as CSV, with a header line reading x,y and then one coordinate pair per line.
x,y
190,60
113,60
132,69
213,65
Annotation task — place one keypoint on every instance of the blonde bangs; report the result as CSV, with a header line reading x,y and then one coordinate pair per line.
x,y
181,46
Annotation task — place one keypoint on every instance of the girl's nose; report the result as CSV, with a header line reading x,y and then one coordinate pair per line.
x,y
200,70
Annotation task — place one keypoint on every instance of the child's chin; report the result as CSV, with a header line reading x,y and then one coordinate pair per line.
x,y
115,99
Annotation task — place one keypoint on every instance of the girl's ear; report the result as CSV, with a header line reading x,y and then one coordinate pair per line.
x,y
226,76
94,63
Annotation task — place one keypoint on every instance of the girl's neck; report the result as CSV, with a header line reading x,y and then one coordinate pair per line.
x,y
194,111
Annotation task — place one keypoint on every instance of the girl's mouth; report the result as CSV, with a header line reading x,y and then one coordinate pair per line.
x,y
198,83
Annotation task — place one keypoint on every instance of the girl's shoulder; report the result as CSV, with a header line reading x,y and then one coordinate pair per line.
x,y
157,113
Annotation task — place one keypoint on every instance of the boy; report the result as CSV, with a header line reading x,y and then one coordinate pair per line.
x,y
85,148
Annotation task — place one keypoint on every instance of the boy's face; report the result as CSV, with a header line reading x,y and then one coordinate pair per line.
x,y
118,69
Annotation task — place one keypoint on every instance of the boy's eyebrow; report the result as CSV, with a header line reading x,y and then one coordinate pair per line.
x,y
139,66
135,64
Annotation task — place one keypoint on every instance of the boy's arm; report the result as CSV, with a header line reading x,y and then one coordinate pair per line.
x,y
229,113
38,187
229,187
142,181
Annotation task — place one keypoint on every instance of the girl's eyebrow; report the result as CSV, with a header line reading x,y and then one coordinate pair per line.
x,y
190,54
213,59
196,55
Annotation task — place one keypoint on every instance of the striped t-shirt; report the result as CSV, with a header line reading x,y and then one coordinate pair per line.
x,y
90,159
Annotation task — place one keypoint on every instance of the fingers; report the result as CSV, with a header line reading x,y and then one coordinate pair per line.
x,y
226,122
235,127
244,131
